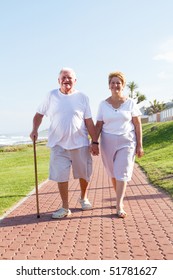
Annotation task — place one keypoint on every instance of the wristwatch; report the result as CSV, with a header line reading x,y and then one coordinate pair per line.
x,y
94,142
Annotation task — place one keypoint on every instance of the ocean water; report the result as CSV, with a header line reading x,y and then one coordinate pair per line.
x,y
9,140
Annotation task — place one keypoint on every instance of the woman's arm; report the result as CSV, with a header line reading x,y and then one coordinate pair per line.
x,y
138,130
98,127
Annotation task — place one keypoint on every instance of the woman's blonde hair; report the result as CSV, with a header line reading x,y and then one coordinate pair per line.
x,y
118,74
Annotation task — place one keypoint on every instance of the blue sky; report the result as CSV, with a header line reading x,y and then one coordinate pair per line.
x,y
94,37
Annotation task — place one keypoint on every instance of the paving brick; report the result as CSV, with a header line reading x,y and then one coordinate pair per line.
x,y
8,255
169,256
97,234
19,256
93,256
124,256
139,257
164,241
166,249
155,255
78,254
49,256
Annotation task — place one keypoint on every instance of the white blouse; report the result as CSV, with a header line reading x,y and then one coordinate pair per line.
x,y
118,121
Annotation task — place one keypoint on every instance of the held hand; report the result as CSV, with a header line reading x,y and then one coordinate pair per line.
x,y
94,149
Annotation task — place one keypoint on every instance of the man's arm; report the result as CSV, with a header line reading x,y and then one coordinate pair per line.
x,y
92,132
36,123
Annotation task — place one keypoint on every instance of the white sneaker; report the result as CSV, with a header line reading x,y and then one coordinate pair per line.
x,y
61,213
85,204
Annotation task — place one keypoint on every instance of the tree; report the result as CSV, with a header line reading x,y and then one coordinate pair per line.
x,y
135,95
140,97
132,86
156,107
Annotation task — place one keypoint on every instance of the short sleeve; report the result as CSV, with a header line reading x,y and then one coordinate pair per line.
x,y
136,111
87,114
99,113
44,106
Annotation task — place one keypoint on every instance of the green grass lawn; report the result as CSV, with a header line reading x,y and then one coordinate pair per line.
x,y
158,159
17,172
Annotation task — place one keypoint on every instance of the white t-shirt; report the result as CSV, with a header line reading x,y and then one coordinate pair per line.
x,y
67,113
118,121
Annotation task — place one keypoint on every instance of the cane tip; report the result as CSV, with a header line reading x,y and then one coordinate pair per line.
x,y
38,216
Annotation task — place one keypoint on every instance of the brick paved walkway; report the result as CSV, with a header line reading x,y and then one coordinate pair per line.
x,y
147,232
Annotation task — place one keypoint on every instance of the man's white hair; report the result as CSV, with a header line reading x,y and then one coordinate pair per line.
x,y
68,69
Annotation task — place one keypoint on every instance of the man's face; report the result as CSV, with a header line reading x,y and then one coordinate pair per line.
x,y
67,82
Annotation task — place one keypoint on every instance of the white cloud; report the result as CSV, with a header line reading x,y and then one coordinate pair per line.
x,y
167,45
165,76
167,56
165,51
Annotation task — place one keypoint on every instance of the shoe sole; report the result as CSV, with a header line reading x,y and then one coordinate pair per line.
x,y
61,217
89,208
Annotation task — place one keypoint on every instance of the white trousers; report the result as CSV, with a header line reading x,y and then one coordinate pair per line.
x,y
118,154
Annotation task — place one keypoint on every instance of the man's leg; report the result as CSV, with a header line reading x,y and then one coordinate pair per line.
x,y
64,211
83,187
63,190
85,204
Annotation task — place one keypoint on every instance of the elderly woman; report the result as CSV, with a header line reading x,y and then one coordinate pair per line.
x,y
118,122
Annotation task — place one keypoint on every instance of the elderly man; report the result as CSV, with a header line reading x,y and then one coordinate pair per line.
x,y
70,124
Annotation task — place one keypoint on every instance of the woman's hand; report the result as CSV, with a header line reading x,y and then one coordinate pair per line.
x,y
139,151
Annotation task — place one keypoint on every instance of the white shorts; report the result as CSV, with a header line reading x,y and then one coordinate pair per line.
x,y
61,161
118,154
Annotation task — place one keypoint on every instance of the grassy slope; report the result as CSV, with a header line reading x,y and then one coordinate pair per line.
x,y
17,173
158,159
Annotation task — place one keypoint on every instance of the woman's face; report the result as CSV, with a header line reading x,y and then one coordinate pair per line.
x,y
116,85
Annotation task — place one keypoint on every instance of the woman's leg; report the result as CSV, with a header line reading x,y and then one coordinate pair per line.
x,y
120,191
114,183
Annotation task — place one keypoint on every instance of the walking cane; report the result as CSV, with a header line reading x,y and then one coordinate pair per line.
x,y
36,179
